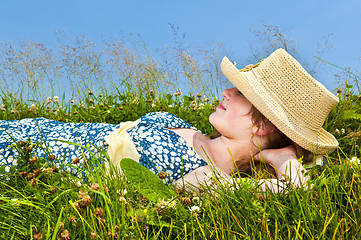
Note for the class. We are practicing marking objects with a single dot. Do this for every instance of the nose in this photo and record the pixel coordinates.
(226, 93)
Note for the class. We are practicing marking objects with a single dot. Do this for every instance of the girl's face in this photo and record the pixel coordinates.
(232, 117)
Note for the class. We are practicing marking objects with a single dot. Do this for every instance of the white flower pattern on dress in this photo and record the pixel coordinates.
(52, 133)
(161, 149)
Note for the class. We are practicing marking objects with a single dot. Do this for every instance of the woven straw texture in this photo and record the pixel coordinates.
(289, 97)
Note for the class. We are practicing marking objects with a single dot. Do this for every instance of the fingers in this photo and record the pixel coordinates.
(257, 157)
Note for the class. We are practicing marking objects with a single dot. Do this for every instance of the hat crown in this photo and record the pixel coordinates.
(297, 92)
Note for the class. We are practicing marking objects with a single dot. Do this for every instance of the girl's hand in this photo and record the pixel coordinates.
(276, 157)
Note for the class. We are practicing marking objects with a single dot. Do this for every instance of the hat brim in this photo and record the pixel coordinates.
(318, 141)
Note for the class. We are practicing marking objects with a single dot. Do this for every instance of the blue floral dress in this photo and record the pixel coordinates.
(159, 148)
(64, 140)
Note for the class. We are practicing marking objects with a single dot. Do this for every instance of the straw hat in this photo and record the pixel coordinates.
(289, 97)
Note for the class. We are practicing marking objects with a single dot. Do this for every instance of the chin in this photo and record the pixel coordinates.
(211, 118)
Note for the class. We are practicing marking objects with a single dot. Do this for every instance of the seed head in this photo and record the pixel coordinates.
(72, 219)
(82, 193)
(75, 112)
(51, 157)
(106, 189)
(76, 160)
(90, 93)
(91, 100)
(339, 90)
(95, 186)
(65, 235)
(85, 201)
(33, 182)
(162, 175)
(23, 174)
(30, 176)
(93, 235)
(180, 191)
(38, 236)
(33, 160)
(36, 172)
(53, 189)
(99, 212)
(186, 201)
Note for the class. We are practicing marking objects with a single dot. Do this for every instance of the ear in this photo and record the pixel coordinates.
(264, 129)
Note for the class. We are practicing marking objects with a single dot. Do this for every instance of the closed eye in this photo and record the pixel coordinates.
(240, 93)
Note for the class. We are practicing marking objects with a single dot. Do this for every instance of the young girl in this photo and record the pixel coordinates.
(274, 105)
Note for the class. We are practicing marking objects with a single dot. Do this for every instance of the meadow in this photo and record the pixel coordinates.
(78, 81)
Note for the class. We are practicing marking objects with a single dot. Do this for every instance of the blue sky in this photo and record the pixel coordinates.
(203, 21)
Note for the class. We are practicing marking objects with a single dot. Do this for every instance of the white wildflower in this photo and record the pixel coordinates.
(195, 210)
(355, 160)
(33, 107)
(56, 99)
(210, 177)
(172, 204)
(122, 200)
(166, 204)
(196, 200)
(162, 204)
(15, 200)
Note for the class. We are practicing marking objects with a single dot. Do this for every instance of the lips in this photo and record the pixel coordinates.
(221, 106)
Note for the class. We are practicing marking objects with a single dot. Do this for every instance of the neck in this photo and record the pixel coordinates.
(223, 152)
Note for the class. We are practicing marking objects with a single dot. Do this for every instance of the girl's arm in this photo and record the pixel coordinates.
(286, 164)
(284, 160)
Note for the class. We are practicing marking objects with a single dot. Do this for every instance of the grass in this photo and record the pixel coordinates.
(39, 200)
